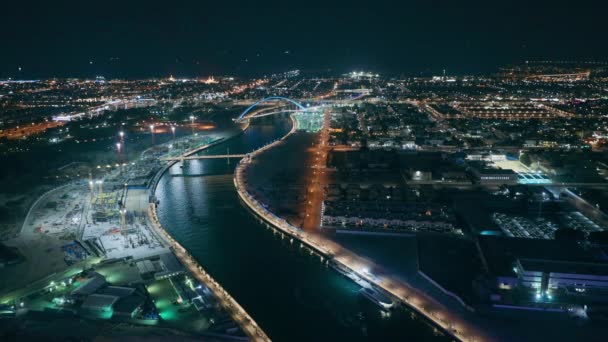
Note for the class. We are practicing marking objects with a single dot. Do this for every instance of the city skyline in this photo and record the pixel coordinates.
(300, 171)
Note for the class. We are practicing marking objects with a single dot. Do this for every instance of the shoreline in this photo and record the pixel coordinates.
(326, 255)
(231, 307)
(154, 183)
(238, 314)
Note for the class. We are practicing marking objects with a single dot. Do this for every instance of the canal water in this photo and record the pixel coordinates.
(290, 293)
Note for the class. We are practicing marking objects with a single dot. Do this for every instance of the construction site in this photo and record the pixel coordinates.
(99, 216)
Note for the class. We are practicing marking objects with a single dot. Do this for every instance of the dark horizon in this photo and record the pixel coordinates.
(140, 40)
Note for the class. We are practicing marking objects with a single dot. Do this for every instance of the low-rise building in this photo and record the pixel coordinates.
(548, 271)
(170, 266)
(90, 286)
(492, 176)
(573, 277)
(99, 304)
(129, 306)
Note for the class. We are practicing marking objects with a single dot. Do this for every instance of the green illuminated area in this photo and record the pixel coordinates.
(172, 310)
(164, 296)
(119, 273)
(72, 271)
(101, 314)
(52, 296)
(310, 121)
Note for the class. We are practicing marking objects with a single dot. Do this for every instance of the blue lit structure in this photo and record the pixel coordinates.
(271, 98)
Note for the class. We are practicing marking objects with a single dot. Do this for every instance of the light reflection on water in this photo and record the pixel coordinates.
(288, 291)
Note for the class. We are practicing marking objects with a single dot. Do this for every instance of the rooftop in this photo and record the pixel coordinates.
(99, 301)
(91, 285)
(500, 253)
(555, 266)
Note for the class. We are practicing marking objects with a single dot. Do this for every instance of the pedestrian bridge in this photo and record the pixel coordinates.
(215, 156)
(243, 116)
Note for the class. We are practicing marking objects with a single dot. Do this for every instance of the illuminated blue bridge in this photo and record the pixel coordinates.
(271, 98)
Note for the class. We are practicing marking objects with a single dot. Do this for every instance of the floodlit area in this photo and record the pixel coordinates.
(137, 243)
(174, 309)
(541, 227)
(514, 165)
(535, 177)
(102, 226)
(414, 205)
(137, 200)
(89, 218)
(525, 175)
(310, 121)
(515, 226)
(119, 233)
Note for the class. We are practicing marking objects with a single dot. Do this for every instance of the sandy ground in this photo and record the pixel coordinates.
(46, 229)
(64, 214)
(137, 200)
(15, 207)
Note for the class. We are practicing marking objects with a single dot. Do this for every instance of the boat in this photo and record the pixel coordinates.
(377, 297)
(349, 274)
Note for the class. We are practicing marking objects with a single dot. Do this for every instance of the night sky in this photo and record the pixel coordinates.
(197, 38)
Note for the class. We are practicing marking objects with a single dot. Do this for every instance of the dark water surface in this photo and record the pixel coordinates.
(290, 293)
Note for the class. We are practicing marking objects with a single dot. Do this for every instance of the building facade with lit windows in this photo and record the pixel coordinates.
(572, 277)
(549, 271)
(494, 176)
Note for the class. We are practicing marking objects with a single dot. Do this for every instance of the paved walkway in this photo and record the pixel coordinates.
(238, 314)
(445, 318)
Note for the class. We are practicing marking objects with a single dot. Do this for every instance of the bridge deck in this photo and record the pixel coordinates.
(215, 156)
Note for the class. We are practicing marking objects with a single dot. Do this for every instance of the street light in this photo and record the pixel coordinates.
(192, 123)
(100, 183)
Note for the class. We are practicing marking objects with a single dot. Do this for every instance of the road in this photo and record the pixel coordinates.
(317, 177)
(447, 319)
(371, 272)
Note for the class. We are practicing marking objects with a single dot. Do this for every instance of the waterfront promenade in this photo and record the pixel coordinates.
(238, 314)
(443, 317)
